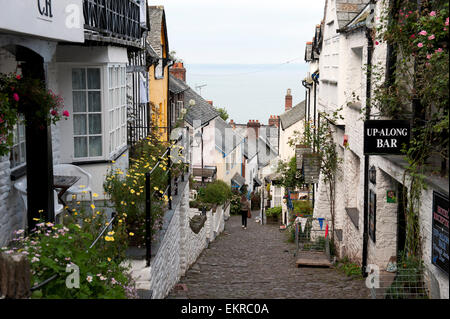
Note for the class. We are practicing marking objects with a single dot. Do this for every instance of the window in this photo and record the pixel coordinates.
(179, 108)
(159, 70)
(118, 107)
(87, 112)
(17, 156)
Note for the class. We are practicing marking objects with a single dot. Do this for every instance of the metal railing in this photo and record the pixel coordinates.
(167, 192)
(118, 18)
(108, 225)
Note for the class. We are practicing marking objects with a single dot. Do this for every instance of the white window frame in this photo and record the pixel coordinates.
(117, 110)
(19, 140)
(159, 70)
(102, 131)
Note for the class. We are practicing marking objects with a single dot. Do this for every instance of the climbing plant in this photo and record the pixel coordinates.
(321, 140)
(416, 88)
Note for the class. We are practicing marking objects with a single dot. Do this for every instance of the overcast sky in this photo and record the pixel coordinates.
(240, 31)
(219, 40)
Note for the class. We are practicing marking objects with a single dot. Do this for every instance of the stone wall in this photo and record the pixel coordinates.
(180, 247)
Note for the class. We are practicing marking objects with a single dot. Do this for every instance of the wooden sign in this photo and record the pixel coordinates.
(299, 151)
(385, 136)
(311, 167)
(439, 242)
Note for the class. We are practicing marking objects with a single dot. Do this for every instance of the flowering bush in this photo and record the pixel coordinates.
(51, 248)
(127, 189)
(29, 97)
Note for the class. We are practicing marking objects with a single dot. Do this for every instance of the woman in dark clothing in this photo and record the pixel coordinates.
(245, 207)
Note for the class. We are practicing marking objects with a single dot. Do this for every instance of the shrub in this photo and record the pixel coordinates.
(217, 192)
(302, 207)
(274, 212)
(235, 204)
(51, 248)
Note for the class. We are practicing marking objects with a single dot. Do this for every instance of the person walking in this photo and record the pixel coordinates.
(245, 210)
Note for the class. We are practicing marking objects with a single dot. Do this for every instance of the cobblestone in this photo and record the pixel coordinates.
(259, 263)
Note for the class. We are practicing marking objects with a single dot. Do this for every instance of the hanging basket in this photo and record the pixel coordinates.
(197, 222)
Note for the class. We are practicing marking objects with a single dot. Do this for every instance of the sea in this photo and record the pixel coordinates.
(248, 91)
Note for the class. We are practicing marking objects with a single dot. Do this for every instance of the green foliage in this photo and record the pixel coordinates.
(223, 113)
(291, 177)
(127, 189)
(349, 268)
(255, 198)
(30, 97)
(302, 208)
(51, 248)
(274, 211)
(418, 89)
(235, 204)
(217, 192)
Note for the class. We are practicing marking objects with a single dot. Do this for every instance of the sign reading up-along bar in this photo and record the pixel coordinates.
(385, 136)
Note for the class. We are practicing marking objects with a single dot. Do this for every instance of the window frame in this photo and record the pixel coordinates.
(116, 126)
(101, 90)
(17, 135)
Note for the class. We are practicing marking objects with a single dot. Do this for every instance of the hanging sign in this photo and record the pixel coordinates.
(311, 167)
(299, 151)
(439, 242)
(390, 196)
(385, 136)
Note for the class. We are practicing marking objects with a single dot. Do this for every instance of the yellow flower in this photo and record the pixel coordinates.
(155, 188)
(75, 214)
(78, 203)
(109, 259)
(95, 195)
(113, 162)
(111, 233)
(40, 211)
(98, 213)
(37, 219)
(161, 192)
(132, 191)
(74, 196)
(132, 203)
(124, 214)
(131, 234)
(84, 192)
(74, 210)
(120, 220)
(92, 206)
(78, 225)
(81, 186)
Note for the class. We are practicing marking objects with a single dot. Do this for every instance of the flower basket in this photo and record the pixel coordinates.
(197, 222)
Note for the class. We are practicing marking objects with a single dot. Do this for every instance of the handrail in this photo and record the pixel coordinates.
(46, 281)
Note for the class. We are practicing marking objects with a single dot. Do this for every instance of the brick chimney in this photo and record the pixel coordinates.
(255, 125)
(210, 102)
(288, 103)
(178, 71)
(274, 120)
(232, 124)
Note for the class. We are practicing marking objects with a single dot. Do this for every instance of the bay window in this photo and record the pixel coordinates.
(117, 107)
(87, 112)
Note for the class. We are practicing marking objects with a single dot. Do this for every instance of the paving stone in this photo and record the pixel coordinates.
(259, 263)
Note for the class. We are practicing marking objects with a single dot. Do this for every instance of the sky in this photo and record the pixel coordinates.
(239, 43)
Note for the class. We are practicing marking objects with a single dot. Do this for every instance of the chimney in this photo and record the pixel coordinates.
(288, 104)
(232, 124)
(178, 71)
(274, 120)
(254, 125)
(210, 102)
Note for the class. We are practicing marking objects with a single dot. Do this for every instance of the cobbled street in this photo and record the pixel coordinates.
(259, 263)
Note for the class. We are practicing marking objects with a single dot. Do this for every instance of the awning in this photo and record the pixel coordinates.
(207, 172)
(238, 180)
(257, 181)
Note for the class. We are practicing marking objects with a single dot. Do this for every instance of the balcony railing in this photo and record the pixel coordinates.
(114, 18)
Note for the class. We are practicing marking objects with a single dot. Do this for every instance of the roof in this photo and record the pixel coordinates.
(202, 110)
(238, 179)
(265, 152)
(176, 85)
(346, 10)
(292, 116)
(358, 21)
(226, 138)
(156, 15)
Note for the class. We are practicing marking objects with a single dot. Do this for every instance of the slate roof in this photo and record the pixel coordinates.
(292, 116)
(156, 14)
(202, 110)
(238, 179)
(346, 10)
(265, 153)
(226, 140)
(358, 21)
(176, 85)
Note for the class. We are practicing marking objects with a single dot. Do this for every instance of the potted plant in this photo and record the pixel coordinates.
(273, 214)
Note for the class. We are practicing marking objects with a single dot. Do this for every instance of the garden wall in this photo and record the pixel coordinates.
(178, 247)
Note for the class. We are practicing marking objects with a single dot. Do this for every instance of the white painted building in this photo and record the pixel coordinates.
(89, 70)
(343, 58)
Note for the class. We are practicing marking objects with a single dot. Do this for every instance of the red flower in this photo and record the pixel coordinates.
(376, 43)
(16, 97)
(54, 112)
(413, 36)
(66, 113)
(18, 77)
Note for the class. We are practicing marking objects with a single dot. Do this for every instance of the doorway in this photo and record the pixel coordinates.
(401, 219)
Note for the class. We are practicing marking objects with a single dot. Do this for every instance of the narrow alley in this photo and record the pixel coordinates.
(259, 263)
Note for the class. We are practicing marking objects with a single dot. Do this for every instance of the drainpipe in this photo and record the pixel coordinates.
(366, 157)
(169, 129)
(307, 98)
